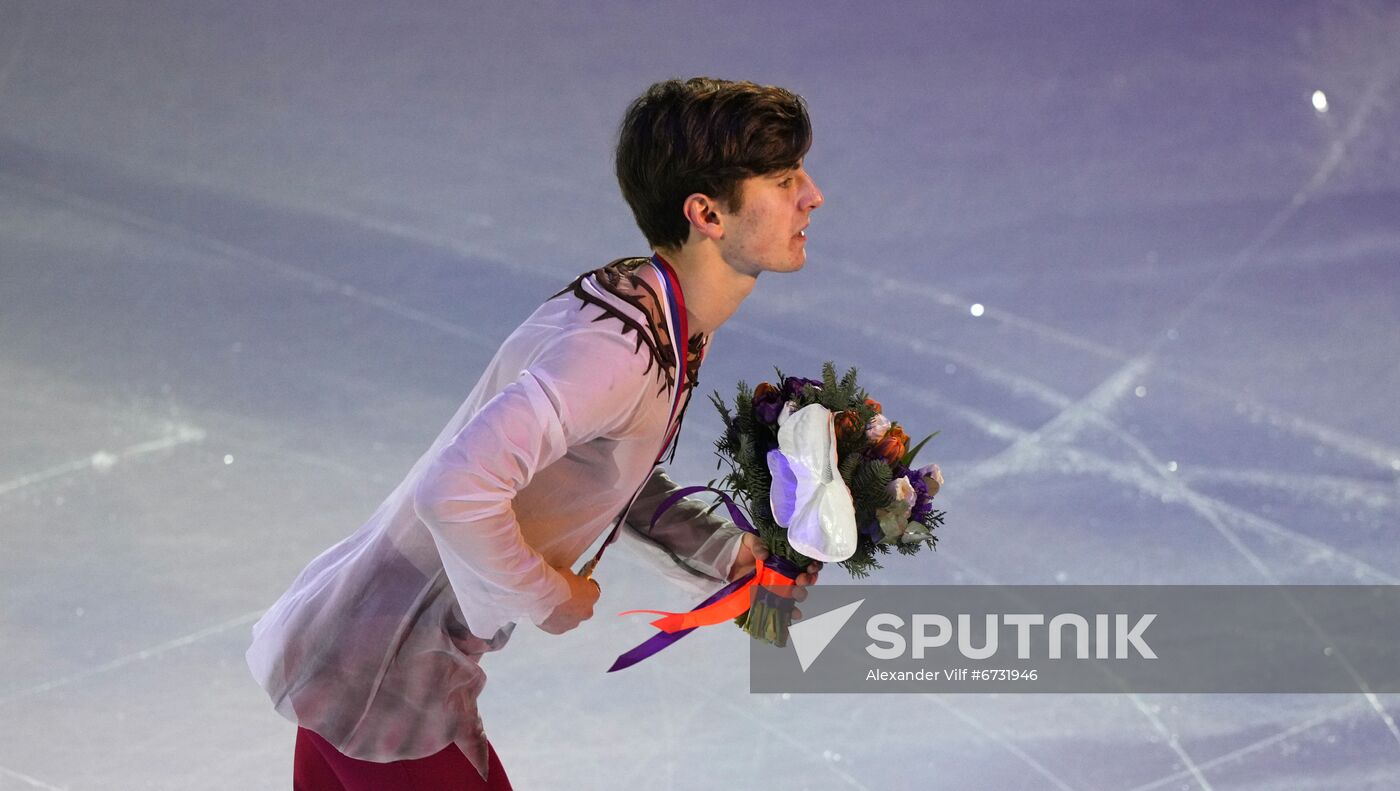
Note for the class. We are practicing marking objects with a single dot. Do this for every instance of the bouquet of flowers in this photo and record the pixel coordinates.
(811, 500)
(818, 472)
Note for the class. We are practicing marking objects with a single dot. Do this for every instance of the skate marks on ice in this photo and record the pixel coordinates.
(103, 460)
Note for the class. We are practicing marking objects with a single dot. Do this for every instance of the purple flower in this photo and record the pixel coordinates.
(872, 530)
(767, 403)
(792, 386)
(922, 503)
(922, 508)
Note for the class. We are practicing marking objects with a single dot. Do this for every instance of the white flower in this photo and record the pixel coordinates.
(903, 491)
(893, 521)
(933, 477)
(915, 531)
(877, 428)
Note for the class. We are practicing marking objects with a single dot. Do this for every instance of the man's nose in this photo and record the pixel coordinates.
(814, 197)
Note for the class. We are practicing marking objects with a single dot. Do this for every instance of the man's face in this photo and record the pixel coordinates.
(768, 232)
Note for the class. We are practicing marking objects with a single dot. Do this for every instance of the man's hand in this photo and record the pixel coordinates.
(752, 552)
(583, 594)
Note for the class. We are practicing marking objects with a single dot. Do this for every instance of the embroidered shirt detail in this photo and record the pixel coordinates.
(620, 279)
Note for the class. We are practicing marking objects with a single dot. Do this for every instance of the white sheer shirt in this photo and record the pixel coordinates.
(376, 645)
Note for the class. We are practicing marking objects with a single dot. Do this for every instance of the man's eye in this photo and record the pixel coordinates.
(787, 182)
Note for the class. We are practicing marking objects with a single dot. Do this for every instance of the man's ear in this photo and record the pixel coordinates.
(705, 216)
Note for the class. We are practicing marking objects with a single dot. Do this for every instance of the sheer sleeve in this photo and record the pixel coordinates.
(697, 548)
(581, 386)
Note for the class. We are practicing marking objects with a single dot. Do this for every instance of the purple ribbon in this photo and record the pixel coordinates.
(735, 512)
(662, 640)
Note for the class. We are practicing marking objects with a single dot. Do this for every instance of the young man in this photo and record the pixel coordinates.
(375, 650)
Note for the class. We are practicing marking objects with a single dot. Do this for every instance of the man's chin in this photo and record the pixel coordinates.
(783, 267)
(796, 262)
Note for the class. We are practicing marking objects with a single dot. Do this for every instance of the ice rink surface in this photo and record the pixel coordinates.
(253, 255)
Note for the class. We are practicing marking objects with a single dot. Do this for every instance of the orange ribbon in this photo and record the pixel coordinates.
(726, 609)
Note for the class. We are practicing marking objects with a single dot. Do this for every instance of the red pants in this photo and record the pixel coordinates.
(320, 767)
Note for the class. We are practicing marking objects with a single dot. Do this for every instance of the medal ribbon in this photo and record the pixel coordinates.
(674, 306)
(679, 326)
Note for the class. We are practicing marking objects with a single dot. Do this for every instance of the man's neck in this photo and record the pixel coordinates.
(713, 290)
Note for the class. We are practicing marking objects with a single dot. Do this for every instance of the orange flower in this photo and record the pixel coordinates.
(763, 390)
(875, 404)
(891, 446)
(848, 426)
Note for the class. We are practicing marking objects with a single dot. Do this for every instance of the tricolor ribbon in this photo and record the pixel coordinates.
(725, 604)
(678, 325)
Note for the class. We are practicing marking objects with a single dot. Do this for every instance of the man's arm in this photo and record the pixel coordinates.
(579, 387)
(702, 545)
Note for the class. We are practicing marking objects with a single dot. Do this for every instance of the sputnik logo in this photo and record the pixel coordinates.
(811, 636)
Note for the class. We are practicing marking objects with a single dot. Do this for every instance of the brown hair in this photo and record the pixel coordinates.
(703, 135)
